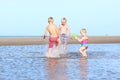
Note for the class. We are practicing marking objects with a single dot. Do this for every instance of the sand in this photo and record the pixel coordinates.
(40, 41)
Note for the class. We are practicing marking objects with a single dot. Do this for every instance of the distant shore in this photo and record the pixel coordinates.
(40, 41)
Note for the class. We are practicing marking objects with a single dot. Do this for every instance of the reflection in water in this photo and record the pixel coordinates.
(56, 69)
(83, 68)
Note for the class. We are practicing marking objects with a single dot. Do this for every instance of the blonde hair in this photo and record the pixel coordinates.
(83, 30)
(64, 19)
(50, 19)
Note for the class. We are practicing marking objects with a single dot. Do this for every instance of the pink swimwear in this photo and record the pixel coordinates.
(52, 40)
(84, 43)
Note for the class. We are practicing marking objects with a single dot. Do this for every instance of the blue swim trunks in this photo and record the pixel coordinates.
(63, 38)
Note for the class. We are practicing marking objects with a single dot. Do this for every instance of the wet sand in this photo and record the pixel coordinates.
(39, 40)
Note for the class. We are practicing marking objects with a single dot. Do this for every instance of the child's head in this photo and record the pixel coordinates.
(50, 20)
(64, 21)
(83, 31)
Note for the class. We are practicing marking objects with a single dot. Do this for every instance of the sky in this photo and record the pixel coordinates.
(29, 17)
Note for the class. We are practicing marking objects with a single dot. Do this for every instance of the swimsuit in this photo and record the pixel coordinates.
(52, 40)
(84, 43)
(63, 38)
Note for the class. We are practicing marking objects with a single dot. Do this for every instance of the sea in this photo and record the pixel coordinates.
(28, 62)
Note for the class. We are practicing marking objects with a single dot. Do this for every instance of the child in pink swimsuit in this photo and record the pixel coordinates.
(84, 42)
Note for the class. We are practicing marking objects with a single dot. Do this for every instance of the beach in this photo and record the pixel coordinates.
(40, 41)
(24, 58)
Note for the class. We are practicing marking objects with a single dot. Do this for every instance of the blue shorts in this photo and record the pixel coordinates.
(64, 38)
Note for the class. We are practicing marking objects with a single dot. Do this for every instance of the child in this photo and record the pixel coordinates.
(84, 42)
(64, 31)
(54, 35)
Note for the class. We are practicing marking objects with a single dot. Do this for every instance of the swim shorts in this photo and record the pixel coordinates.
(64, 38)
(52, 40)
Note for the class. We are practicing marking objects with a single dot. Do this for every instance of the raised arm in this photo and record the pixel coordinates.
(79, 39)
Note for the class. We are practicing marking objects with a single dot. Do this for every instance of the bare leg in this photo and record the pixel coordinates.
(57, 49)
(58, 45)
(84, 52)
(81, 50)
(49, 52)
(64, 47)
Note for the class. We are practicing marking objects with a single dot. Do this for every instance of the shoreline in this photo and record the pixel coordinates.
(6, 41)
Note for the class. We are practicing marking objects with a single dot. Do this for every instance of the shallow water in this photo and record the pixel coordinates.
(29, 63)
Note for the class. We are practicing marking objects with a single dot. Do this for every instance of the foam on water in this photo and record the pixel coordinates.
(55, 53)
